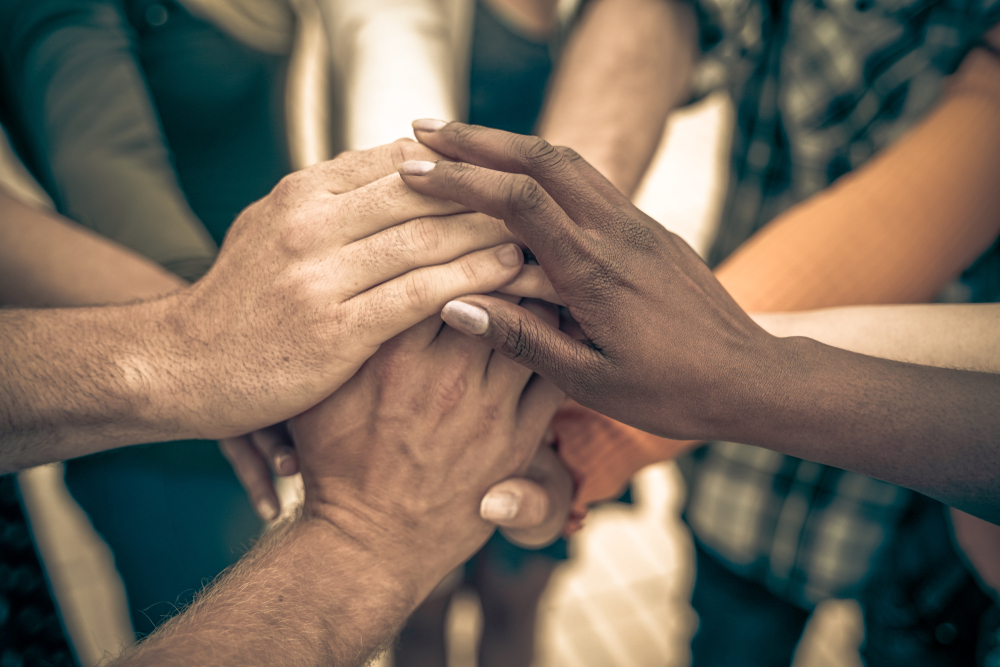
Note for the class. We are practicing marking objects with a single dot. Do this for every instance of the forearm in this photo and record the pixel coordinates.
(626, 66)
(948, 336)
(899, 228)
(77, 381)
(48, 261)
(308, 594)
(878, 417)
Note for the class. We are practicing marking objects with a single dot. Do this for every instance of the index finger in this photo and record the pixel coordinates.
(562, 248)
(572, 182)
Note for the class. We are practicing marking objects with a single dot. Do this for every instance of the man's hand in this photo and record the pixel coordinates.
(664, 344)
(402, 455)
(310, 282)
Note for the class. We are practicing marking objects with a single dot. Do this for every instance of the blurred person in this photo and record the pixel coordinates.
(821, 92)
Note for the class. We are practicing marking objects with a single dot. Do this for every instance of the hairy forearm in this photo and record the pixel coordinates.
(308, 594)
(883, 418)
(76, 381)
(627, 65)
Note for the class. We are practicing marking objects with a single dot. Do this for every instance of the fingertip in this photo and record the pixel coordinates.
(286, 464)
(499, 506)
(267, 509)
(427, 125)
(415, 167)
(465, 317)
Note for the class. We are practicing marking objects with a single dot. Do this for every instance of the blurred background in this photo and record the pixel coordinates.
(155, 123)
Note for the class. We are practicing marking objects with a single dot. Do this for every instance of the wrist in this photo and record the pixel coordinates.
(776, 390)
(409, 564)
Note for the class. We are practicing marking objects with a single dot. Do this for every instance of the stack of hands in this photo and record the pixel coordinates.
(426, 425)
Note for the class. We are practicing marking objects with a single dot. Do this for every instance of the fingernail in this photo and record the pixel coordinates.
(415, 167)
(283, 464)
(267, 510)
(499, 506)
(466, 318)
(428, 125)
(510, 255)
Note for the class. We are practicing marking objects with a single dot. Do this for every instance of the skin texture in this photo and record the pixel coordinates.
(394, 465)
(666, 349)
(896, 230)
(46, 260)
(625, 67)
(227, 345)
(952, 336)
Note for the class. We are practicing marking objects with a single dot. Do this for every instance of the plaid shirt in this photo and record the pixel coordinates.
(820, 86)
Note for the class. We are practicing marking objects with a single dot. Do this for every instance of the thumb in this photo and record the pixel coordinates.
(524, 337)
(525, 512)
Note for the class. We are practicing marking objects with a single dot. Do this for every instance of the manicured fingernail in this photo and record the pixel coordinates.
(267, 510)
(510, 255)
(415, 167)
(428, 125)
(284, 464)
(499, 506)
(466, 318)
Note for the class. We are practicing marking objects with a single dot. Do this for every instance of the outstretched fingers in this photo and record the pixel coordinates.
(571, 181)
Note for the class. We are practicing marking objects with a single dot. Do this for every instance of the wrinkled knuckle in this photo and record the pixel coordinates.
(424, 235)
(401, 150)
(518, 341)
(471, 271)
(288, 186)
(568, 154)
(524, 194)
(461, 133)
(450, 388)
(417, 289)
(539, 154)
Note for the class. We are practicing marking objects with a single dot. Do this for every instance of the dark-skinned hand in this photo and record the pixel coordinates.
(665, 348)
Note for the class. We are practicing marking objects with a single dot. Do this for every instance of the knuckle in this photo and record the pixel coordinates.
(518, 341)
(288, 186)
(524, 194)
(417, 289)
(424, 235)
(470, 271)
(401, 150)
(568, 154)
(538, 154)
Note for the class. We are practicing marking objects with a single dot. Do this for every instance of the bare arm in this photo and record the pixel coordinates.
(266, 334)
(626, 66)
(392, 492)
(894, 231)
(670, 352)
(50, 261)
(948, 336)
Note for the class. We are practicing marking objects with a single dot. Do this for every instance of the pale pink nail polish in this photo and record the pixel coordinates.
(415, 167)
(428, 125)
